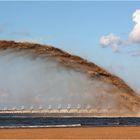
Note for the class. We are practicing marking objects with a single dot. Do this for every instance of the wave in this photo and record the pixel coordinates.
(42, 126)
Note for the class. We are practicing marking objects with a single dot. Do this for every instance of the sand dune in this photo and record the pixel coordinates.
(50, 66)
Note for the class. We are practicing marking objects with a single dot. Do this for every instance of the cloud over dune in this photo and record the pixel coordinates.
(134, 35)
(115, 41)
(112, 41)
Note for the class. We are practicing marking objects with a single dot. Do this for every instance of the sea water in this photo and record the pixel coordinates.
(15, 122)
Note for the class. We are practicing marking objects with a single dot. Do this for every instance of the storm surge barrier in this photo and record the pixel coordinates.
(61, 112)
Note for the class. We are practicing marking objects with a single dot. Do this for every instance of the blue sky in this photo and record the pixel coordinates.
(76, 27)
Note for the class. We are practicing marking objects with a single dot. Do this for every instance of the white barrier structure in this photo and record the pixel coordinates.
(88, 108)
(62, 111)
(59, 107)
(49, 108)
(5, 108)
(40, 108)
(68, 107)
(31, 108)
(78, 107)
(22, 108)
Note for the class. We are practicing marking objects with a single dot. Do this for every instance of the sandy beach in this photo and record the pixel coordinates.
(72, 133)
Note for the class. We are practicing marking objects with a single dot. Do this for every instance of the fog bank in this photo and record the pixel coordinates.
(26, 79)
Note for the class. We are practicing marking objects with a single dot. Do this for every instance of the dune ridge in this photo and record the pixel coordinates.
(128, 99)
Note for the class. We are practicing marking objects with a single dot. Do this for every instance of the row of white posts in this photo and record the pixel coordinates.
(88, 107)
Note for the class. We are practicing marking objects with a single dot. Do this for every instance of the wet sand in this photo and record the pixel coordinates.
(73, 133)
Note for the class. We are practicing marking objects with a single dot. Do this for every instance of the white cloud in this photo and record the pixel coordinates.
(111, 40)
(134, 35)
(115, 42)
